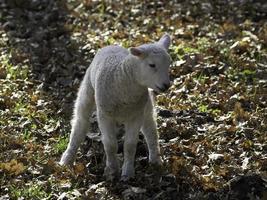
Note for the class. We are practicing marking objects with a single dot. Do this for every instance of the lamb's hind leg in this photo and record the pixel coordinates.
(83, 109)
(109, 139)
(149, 129)
(132, 128)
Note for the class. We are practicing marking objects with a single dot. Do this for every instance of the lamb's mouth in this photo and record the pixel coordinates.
(158, 90)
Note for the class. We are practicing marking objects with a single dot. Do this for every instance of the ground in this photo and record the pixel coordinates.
(211, 122)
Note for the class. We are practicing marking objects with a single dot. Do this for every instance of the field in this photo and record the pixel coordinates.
(212, 122)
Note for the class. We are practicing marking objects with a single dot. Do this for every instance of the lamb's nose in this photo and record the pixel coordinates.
(166, 86)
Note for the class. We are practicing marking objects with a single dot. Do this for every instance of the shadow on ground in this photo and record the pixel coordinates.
(39, 35)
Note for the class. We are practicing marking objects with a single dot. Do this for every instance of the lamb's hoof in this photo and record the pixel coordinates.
(111, 174)
(66, 159)
(127, 174)
(111, 177)
(156, 168)
(156, 161)
(63, 163)
(125, 178)
(156, 165)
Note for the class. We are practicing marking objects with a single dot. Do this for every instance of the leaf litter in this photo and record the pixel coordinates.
(212, 121)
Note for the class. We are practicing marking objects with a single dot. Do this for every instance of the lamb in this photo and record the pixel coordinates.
(117, 83)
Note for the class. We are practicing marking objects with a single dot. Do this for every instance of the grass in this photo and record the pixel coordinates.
(61, 144)
(31, 190)
(213, 77)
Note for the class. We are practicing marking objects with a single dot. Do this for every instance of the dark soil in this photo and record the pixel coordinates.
(212, 121)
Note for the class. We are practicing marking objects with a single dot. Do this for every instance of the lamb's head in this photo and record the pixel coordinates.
(153, 64)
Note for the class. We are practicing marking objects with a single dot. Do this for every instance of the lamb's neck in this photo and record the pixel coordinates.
(130, 73)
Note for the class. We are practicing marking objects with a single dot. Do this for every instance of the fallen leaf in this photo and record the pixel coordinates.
(13, 167)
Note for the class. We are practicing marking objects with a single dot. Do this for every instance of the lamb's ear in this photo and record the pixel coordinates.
(138, 52)
(165, 41)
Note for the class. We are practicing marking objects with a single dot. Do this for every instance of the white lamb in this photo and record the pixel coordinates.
(117, 83)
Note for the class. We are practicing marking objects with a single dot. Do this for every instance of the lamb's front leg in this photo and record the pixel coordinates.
(132, 128)
(149, 130)
(109, 139)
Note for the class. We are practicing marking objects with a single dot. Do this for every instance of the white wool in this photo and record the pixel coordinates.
(117, 83)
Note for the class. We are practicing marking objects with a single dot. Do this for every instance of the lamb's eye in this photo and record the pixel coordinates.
(152, 65)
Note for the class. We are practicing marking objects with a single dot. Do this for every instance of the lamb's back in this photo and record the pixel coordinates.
(105, 61)
(109, 56)
(112, 50)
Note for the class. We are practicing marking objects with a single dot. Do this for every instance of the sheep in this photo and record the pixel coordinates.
(117, 84)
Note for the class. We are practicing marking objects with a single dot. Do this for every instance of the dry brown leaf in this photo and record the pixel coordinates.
(80, 169)
(13, 167)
